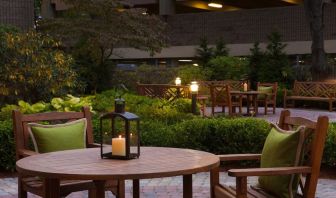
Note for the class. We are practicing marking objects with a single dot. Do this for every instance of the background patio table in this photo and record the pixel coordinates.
(251, 100)
(86, 164)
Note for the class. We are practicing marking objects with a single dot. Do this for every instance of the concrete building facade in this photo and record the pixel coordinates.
(238, 23)
(19, 13)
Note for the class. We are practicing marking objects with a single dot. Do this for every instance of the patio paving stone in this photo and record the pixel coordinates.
(158, 188)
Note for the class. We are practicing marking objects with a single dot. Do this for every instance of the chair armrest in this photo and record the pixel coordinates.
(239, 157)
(27, 153)
(93, 145)
(268, 171)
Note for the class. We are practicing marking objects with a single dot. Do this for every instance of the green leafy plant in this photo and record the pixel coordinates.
(71, 103)
(190, 73)
(228, 68)
(37, 67)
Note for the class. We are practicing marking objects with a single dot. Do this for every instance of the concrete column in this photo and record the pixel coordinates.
(167, 7)
(47, 10)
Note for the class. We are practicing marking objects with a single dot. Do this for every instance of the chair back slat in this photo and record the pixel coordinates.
(315, 146)
(50, 116)
(20, 125)
(220, 95)
(297, 121)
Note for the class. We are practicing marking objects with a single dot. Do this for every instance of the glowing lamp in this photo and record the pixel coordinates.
(178, 81)
(194, 87)
(215, 5)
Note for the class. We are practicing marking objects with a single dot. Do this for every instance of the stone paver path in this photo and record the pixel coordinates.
(170, 187)
(306, 113)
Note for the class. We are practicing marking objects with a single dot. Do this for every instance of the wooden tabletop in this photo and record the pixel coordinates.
(86, 164)
(246, 92)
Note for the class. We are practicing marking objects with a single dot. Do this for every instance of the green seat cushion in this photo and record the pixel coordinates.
(266, 90)
(59, 137)
(282, 149)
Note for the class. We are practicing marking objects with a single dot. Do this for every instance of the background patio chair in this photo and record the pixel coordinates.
(269, 98)
(29, 183)
(220, 96)
(311, 168)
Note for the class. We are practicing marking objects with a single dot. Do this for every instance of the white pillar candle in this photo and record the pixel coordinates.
(245, 86)
(118, 146)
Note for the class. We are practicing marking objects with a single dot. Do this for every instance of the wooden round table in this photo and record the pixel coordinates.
(86, 164)
(251, 100)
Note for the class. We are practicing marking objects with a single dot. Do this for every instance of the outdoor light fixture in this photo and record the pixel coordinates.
(194, 91)
(178, 81)
(185, 60)
(119, 136)
(194, 87)
(215, 4)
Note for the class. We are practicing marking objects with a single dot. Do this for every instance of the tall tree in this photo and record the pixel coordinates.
(256, 60)
(221, 49)
(204, 53)
(102, 25)
(314, 13)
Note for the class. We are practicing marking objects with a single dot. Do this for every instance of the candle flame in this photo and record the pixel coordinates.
(119, 136)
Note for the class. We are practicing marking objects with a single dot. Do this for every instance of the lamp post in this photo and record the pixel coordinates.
(194, 91)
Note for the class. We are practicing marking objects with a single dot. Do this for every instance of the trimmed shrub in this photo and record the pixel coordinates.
(222, 135)
(329, 156)
(7, 148)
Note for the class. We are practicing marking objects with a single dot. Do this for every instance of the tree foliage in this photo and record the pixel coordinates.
(271, 65)
(221, 49)
(228, 68)
(204, 53)
(96, 27)
(32, 68)
(256, 59)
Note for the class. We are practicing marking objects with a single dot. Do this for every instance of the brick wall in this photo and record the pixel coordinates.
(247, 26)
(19, 13)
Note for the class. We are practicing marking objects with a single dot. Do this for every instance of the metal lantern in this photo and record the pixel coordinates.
(120, 136)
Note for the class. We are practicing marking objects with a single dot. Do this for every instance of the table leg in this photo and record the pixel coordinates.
(248, 103)
(255, 105)
(51, 188)
(187, 186)
(99, 188)
(214, 181)
(136, 188)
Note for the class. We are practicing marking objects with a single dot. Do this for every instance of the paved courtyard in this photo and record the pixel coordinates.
(172, 187)
(306, 113)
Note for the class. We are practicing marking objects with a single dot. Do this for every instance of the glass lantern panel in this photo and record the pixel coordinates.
(107, 135)
(134, 137)
(119, 137)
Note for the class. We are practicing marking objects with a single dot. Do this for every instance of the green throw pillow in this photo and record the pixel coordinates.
(266, 90)
(282, 149)
(59, 137)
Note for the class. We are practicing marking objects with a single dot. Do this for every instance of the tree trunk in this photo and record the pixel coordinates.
(314, 13)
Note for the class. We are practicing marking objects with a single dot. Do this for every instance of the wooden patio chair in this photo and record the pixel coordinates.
(267, 99)
(311, 169)
(221, 96)
(29, 183)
